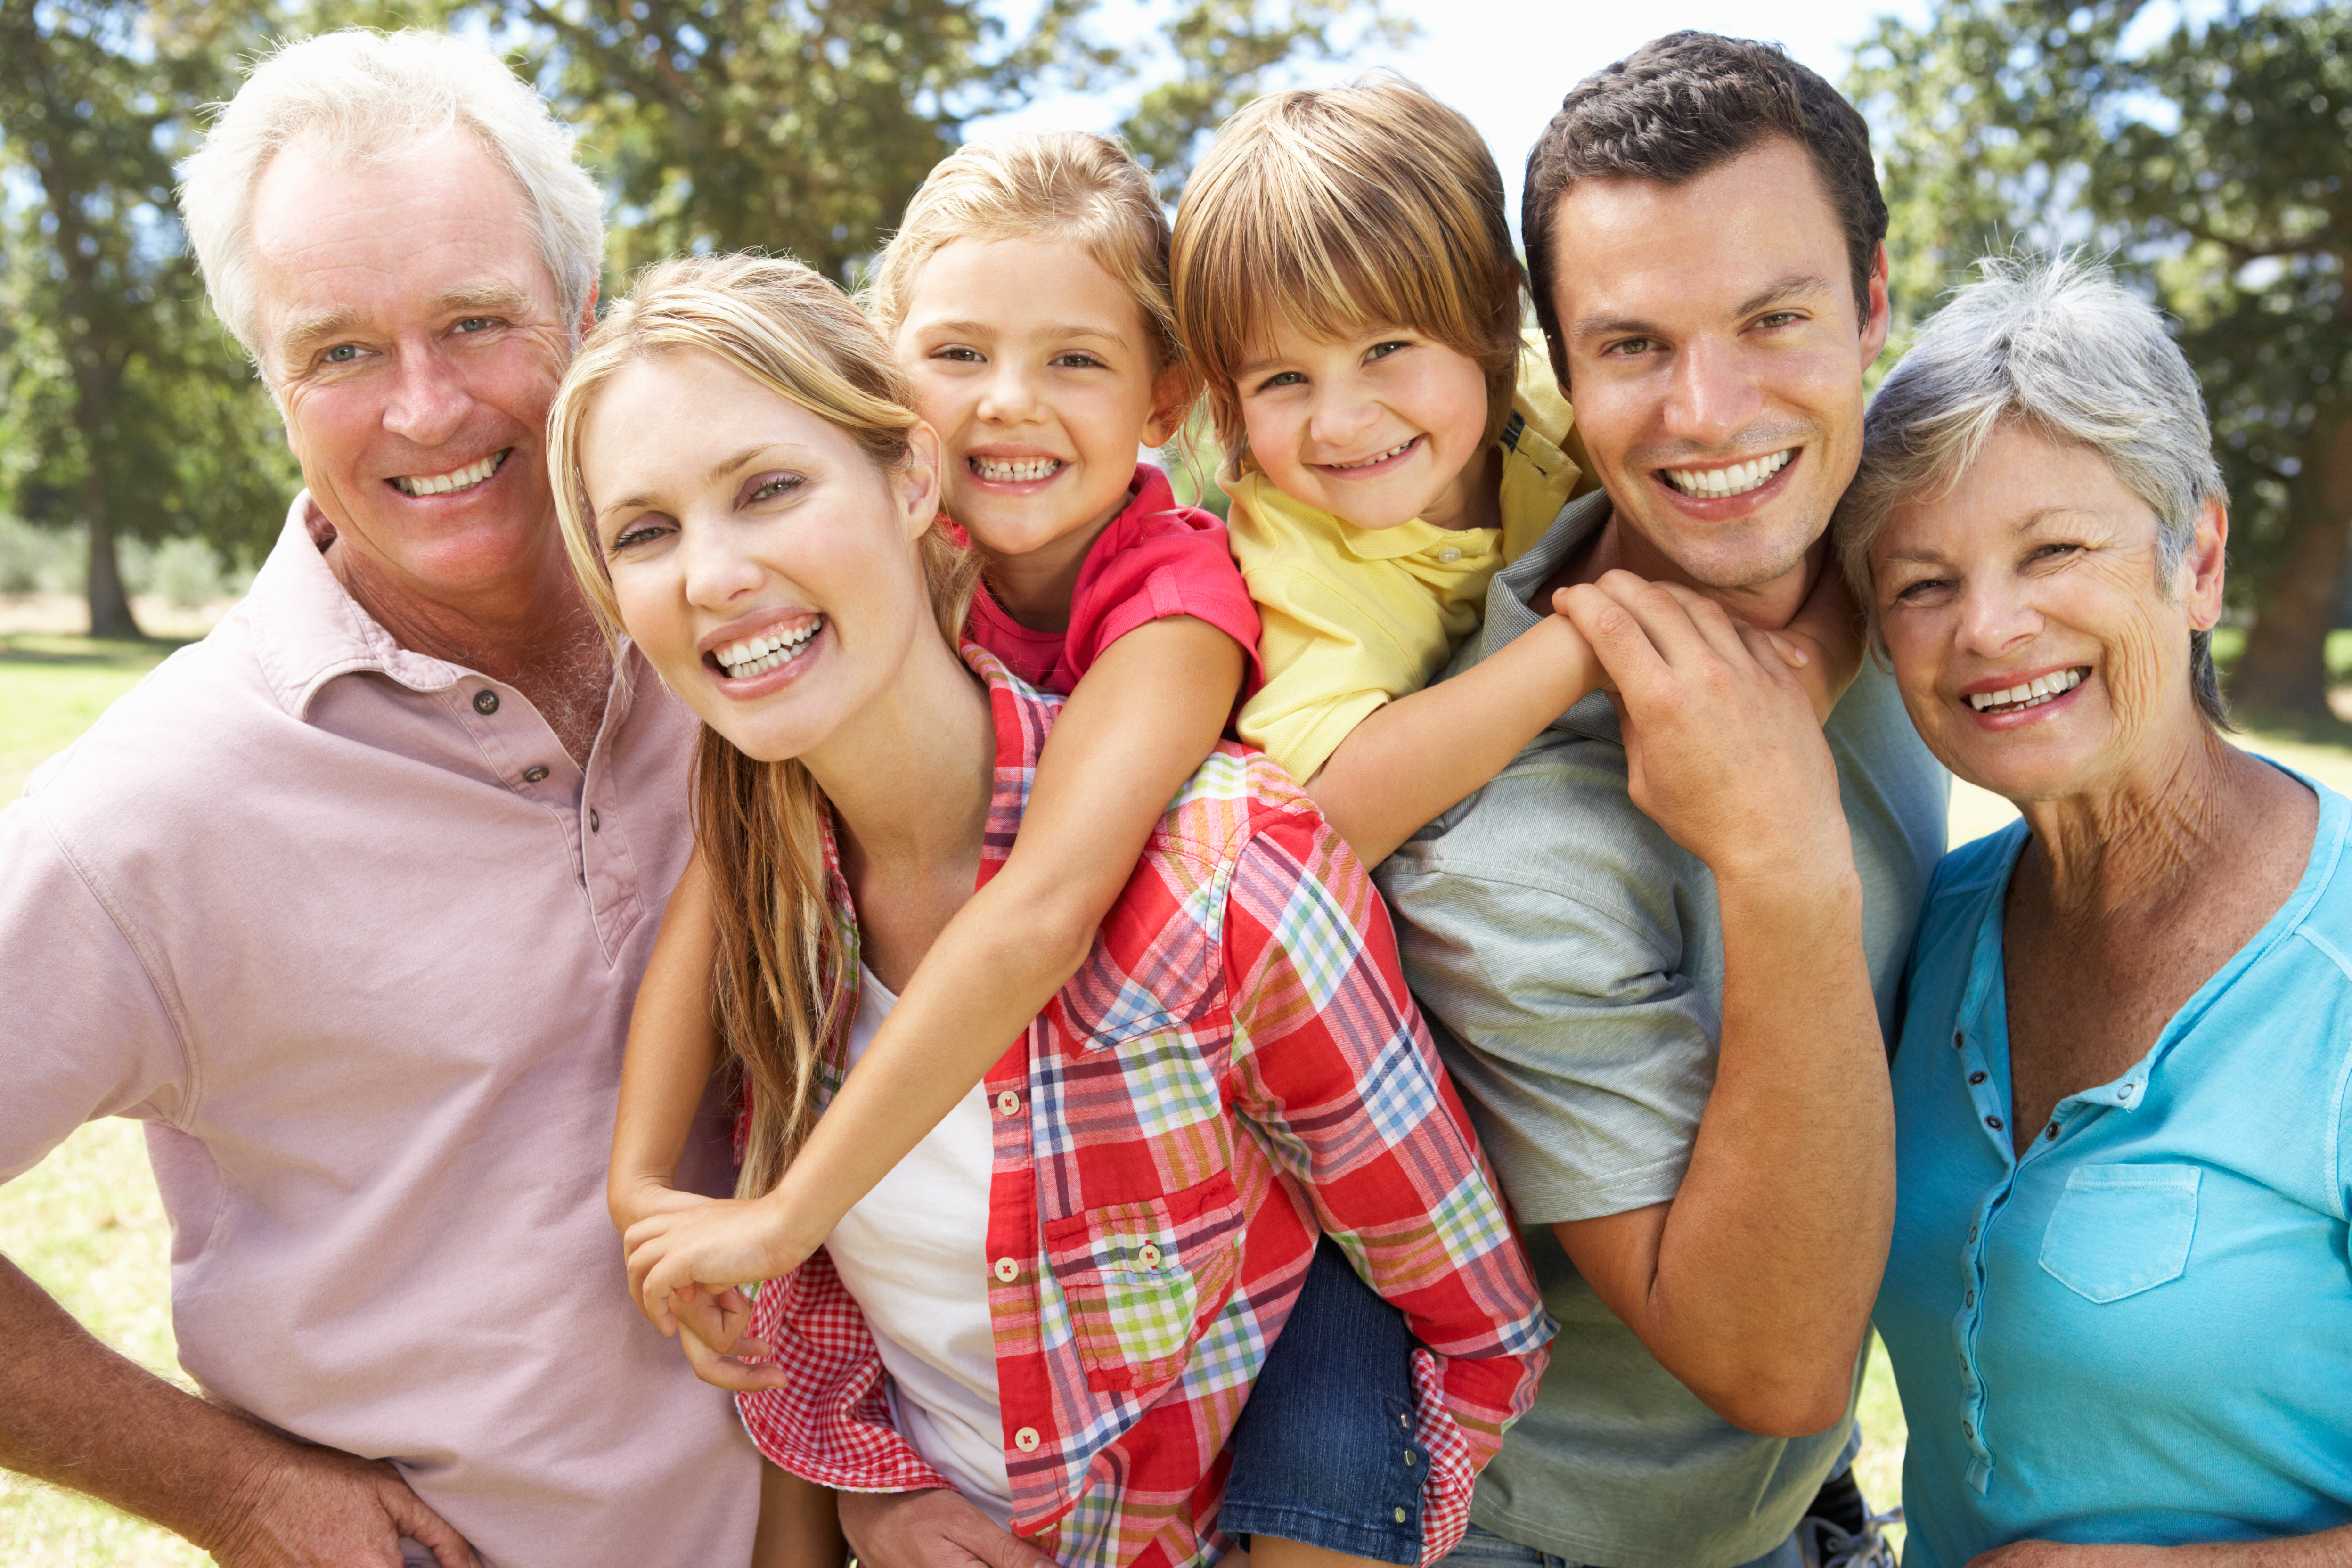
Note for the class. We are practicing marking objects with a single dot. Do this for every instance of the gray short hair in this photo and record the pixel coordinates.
(371, 95)
(2057, 343)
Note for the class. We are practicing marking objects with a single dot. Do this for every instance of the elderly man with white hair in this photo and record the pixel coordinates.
(348, 904)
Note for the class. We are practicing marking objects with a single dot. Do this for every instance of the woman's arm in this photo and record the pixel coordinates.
(672, 1049)
(1412, 759)
(1145, 715)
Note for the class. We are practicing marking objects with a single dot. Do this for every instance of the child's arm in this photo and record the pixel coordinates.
(799, 1524)
(672, 1049)
(1412, 758)
(1145, 715)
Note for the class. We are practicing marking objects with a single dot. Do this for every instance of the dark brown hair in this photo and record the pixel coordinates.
(1680, 107)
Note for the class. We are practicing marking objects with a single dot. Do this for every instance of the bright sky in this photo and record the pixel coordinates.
(1507, 63)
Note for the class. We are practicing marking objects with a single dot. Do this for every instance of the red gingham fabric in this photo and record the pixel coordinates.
(1237, 1065)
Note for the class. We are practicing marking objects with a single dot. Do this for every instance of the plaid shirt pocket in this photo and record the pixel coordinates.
(1144, 1279)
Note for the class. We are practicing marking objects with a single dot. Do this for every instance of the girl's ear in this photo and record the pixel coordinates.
(917, 481)
(1173, 391)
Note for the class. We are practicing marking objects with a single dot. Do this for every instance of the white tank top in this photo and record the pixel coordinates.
(914, 1253)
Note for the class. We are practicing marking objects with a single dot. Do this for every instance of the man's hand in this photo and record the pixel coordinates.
(934, 1529)
(320, 1508)
(1722, 748)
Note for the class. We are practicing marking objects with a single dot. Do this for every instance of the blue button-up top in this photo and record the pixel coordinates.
(2141, 1329)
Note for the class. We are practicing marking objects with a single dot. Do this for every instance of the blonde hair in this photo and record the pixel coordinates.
(780, 986)
(1339, 207)
(1064, 185)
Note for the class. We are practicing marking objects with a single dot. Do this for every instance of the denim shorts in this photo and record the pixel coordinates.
(1485, 1548)
(1324, 1453)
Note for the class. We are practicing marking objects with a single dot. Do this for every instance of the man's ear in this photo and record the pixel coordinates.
(917, 481)
(1173, 391)
(1880, 317)
(588, 313)
(2203, 570)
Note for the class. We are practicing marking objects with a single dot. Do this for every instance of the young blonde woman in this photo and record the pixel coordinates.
(1058, 1304)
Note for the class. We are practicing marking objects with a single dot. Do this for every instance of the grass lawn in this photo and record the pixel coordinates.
(86, 1224)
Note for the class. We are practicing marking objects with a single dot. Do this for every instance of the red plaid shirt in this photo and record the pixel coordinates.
(1236, 1066)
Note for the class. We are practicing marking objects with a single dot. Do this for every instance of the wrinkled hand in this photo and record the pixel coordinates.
(935, 1529)
(321, 1508)
(1722, 749)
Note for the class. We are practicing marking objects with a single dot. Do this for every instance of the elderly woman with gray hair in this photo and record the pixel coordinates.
(2118, 1302)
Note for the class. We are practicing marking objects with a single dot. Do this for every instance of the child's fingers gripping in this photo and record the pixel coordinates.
(731, 1372)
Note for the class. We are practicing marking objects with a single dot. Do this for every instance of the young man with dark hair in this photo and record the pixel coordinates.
(1661, 949)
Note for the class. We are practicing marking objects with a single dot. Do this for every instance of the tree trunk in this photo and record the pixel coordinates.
(109, 606)
(2284, 672)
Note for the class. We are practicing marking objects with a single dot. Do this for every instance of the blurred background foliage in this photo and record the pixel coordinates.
(2212, 158)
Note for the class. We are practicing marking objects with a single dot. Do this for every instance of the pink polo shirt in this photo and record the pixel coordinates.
(352, 935)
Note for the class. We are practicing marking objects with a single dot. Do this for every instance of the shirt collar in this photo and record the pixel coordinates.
(308, 629)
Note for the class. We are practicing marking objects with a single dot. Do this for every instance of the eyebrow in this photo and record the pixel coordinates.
(1051, 330)
(1779, 291)
(306, 332)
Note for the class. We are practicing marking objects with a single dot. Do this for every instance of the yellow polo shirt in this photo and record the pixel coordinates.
(1351, 617)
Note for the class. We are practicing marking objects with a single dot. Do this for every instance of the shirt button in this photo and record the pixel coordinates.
(486, 702)
(1449, 555)
(1993, 1123)
(1973, 1232)
(1408, 1456)
(532, 776)
(1007, 1103)
(1976, 1078)
(595, 823)
(1008, 1271)
(1400, 1516)
(1150, 1255)
(1969, 1299)
(2050, 1133)
(1958, 1040)
(1025, 1439)
(1968, 1431)
(2127, 1088)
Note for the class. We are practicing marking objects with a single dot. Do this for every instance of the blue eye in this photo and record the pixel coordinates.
(474, 324)
(341, 354)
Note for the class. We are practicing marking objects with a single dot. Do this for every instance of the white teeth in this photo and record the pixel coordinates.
(1736, 480)
(1025, 468)
(2033, 694)
(1380, 458)
(757, 656)
(463, 479)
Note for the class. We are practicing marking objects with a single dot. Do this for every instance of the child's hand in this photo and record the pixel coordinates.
(686, 1261)
(643, 1199)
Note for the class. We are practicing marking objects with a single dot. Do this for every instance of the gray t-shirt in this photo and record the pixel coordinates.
(1569, 957)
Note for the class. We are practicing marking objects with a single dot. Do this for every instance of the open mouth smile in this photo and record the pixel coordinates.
(1375, 460)
(1022, 470)
(2042, 688)
(757, 656)
(454, 481)
(1739, 478)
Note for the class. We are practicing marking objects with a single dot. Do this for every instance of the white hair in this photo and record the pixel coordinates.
(370, 96)
(2056, 344)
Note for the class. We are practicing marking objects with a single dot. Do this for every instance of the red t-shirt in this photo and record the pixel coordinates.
(1156, 559)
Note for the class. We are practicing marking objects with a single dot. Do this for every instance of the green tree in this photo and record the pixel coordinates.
(127, 411)
(2215, 160)
(802, 126)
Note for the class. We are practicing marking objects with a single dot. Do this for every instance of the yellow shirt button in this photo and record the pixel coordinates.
(1150, 1255)
(1007, 1270)
(1025, 1439)
(1007, 1102)
(1450, 554)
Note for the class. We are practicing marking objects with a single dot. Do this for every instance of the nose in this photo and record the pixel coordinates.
(429, 399)
(1338, 415)
(718, 571)
(1010, 397)
(1713, 396)
(1996, 618)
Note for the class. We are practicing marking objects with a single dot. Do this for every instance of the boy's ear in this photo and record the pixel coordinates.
(1173, 391)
